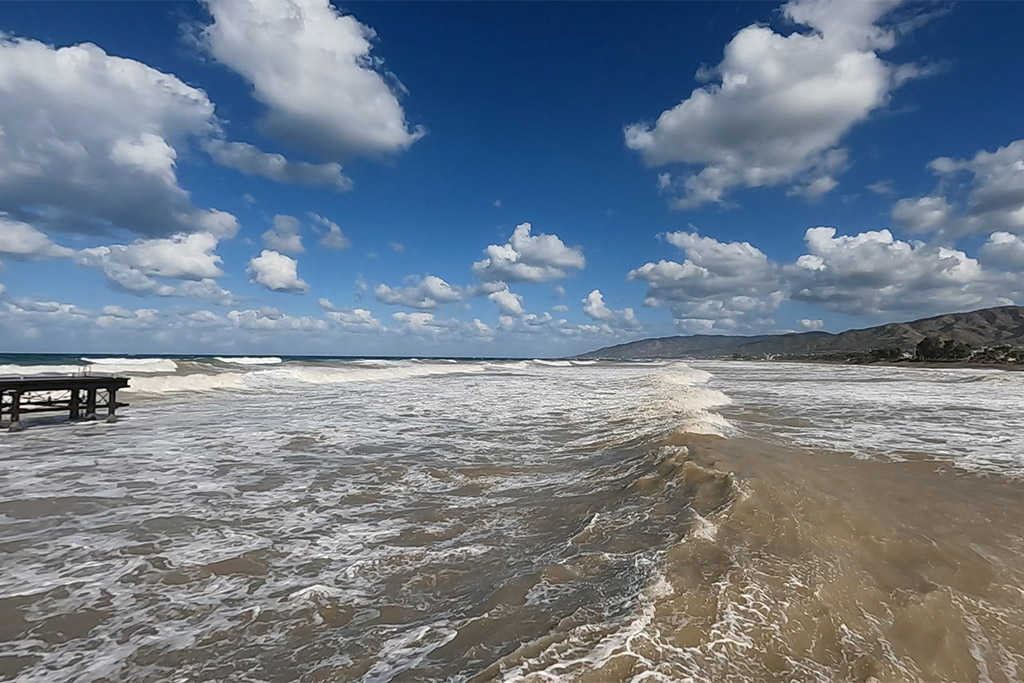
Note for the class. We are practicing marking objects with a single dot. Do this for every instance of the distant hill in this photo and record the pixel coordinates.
(980, 329)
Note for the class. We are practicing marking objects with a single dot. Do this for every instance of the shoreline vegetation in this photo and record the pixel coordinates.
(986, 338)
(930, 352)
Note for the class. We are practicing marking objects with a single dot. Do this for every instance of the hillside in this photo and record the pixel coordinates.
(979, 329)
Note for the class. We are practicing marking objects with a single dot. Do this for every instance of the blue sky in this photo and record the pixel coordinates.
(141, 209)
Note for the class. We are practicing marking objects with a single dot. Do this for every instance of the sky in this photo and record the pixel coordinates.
(500, 179)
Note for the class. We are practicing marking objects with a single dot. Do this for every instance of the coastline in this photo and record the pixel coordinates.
(910, 364)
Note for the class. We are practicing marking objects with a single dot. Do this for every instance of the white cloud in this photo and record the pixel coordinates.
(285, 235)
(528, 258)
(873, 273)
(423, 324)
(89, 142)
(21, 240)
(508, 303)
(1003, 249)
(922, 214)
(187, 257)
(358, 320)
(268, 318)
(560, 308)
(726, 286)
(250, 160)
(311, 67)
(276, 272)
(780, 104)
(882, 187)
(595, 308)
(334, 238)
(814, 189)
(811, 323)
(427, 292)
(995, 201)
(396, 247)
(135, 267)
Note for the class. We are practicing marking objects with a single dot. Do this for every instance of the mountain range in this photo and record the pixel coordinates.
(979, 329)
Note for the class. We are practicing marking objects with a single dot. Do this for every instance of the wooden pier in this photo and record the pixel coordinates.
(79, 397)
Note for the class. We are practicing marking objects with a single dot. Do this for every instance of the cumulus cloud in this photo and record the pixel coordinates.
(21, 240)
(276, 272)
(250, 160)
(357, 320)
(994, 202)
(779, 105)
(721, 286)
(90, 142)
(733, 286)
(528, 258)
(311, 67)
(508, 303)
(268, 318)
(333, 238)
(427, 292)
(423, 324)
(873, 273)
(922, 214)
(1003, 249)
(189, 257)
(134, 267)
(285, 235)
(595, 308)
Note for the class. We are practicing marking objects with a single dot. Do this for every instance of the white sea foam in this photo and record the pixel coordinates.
(198, 382)
(973, 417)
(249, 360)
(27, 370)
(326, 374)
(126, 365)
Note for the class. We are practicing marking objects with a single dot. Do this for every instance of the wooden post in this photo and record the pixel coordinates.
(73, 405)
(90, 404)
(15, 411)
(111, 404)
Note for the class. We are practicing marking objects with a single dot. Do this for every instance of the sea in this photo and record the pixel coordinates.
(367, 519)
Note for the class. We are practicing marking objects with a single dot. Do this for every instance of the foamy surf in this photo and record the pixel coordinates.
(483, 520)
(130, 365)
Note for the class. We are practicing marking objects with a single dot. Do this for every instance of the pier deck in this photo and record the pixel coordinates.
(80, 397)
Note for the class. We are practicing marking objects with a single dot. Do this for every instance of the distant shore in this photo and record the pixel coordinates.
(926, 364)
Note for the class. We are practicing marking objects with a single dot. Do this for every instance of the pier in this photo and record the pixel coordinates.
(79, 397)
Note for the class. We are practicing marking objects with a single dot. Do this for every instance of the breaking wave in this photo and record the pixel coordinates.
(249, 360)
(128, 365)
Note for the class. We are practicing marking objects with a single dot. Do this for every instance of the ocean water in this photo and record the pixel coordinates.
(265, 519)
